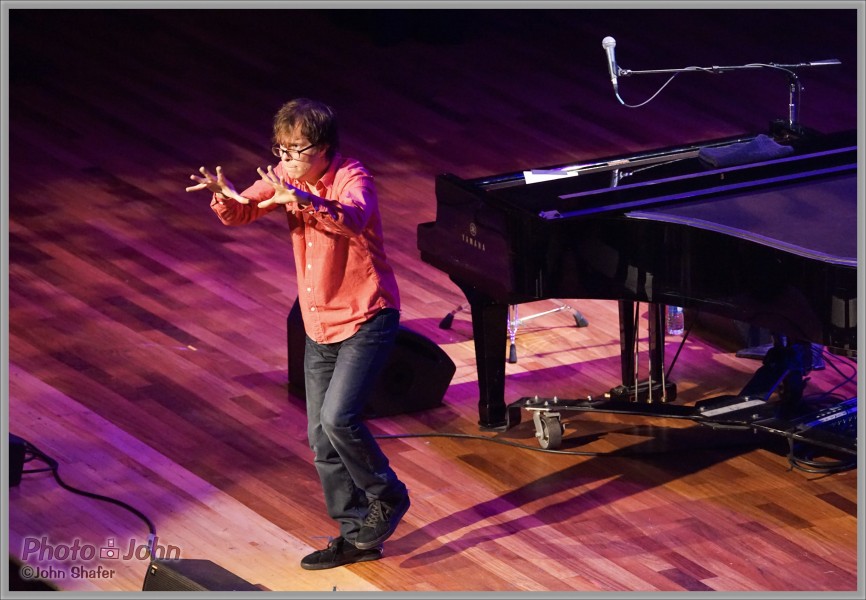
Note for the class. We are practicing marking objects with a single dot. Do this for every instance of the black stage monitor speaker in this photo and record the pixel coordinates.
(415, 376)
(192, 575)
(17, 451)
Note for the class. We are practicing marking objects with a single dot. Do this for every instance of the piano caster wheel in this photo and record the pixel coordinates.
(548, 429)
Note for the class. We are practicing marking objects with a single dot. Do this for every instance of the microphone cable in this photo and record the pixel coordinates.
(34, 453)
(658, 91)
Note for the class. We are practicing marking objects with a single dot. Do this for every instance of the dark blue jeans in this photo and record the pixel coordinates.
(338, 379)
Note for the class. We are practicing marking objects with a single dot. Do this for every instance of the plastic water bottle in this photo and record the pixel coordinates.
(675, 320)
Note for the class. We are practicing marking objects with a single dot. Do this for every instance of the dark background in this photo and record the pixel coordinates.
(487, 77)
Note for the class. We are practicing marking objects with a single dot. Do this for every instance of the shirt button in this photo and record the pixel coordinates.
(309, 266)
(313, 308)
(309, 289)
(310, 244)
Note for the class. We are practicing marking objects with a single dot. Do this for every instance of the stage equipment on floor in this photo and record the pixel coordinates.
(515, 321)
(16, 459)
(193, 575)
(414, 378)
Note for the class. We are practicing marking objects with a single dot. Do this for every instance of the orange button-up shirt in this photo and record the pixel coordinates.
(343, 274)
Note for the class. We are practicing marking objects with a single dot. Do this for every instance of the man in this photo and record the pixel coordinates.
(350, 304)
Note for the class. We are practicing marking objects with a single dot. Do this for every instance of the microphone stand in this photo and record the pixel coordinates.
(795, 88)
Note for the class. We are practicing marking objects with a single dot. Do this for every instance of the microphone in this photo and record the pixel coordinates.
(608, 44)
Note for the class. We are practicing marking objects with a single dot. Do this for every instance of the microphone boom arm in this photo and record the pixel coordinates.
(717, 69)
(794, 86)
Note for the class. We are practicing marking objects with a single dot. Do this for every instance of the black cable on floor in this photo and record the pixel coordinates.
(472, 436)
(824, 467)
(53, 466)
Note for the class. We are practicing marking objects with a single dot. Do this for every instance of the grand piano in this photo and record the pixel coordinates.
(766, 240)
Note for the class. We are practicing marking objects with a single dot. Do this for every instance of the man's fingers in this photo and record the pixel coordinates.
(269, 174)
(275, 177)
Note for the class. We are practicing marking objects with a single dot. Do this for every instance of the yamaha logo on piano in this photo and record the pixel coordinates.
(470, 239)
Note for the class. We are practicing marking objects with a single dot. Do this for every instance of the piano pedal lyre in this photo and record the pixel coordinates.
(655, 387)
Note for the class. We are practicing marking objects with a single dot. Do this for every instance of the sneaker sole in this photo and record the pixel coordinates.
(322, 566)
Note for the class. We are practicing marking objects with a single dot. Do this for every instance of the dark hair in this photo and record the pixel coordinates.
(317, 120)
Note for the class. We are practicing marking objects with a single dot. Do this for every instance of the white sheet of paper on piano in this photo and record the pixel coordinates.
(539, 175)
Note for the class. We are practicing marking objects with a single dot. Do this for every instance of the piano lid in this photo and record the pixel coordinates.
(811, 219)
(629, 182)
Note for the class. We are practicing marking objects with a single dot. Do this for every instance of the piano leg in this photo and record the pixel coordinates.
(628, 342)
(489, 330)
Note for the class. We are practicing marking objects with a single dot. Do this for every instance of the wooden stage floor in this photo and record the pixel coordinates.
(147, 346)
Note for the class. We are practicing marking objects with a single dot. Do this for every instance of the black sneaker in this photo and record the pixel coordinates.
(381, 521)
(339, 552)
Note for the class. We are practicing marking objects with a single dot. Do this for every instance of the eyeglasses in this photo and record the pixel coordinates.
(278, 150)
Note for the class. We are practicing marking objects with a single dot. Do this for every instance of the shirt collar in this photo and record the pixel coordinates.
(326, 181)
